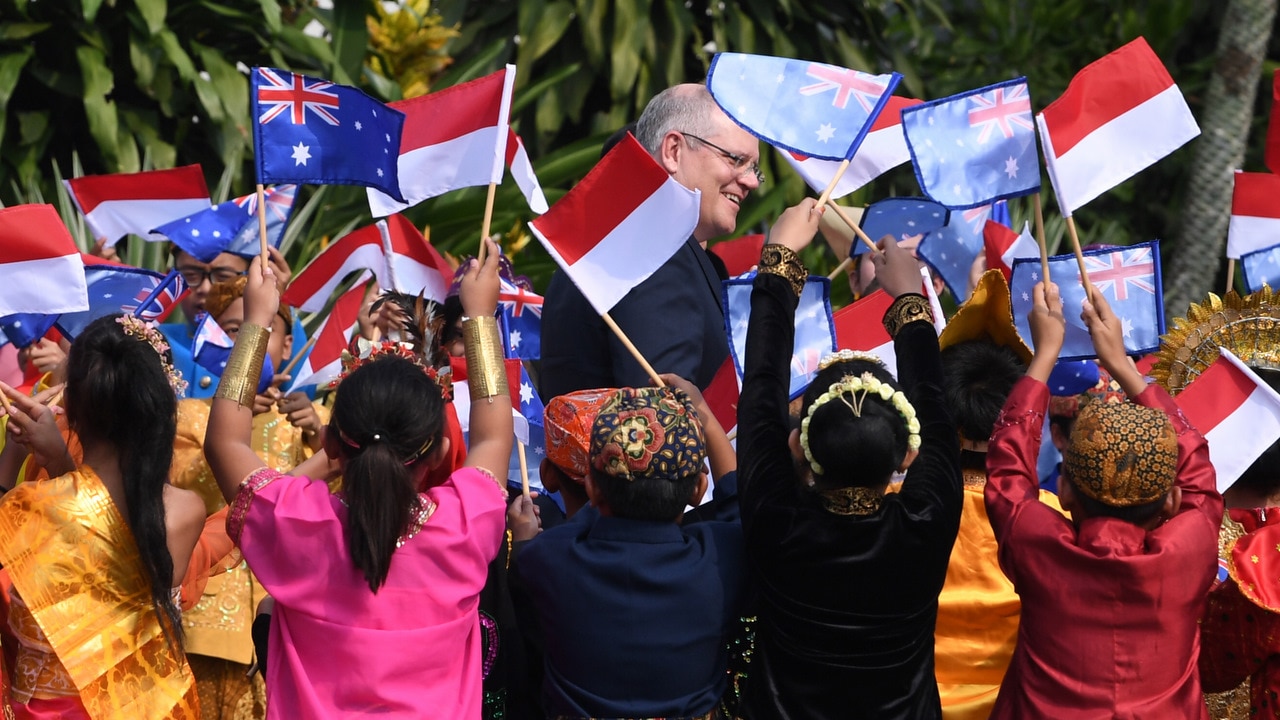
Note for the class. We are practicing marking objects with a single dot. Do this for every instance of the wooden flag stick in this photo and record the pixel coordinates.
(857, 230)
(300, 354)
(524, 469)
(484, 224)
(844, 265)
(1231, 275)
(1040, 240)
(831, 186)
(262, 223)
(635, 352)
(1075, 245)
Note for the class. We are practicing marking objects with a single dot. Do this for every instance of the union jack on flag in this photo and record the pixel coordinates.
(821, 111)
(1128, 277)
(279, 206)
(521, 320)
(352, 139)
(976, 147)
(120, 288)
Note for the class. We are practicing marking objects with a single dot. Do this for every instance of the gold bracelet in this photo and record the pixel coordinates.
(906, 309)
(486, 372)
(244, 368)
(782, 261)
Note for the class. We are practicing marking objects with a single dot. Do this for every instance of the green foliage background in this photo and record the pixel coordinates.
(96, 86)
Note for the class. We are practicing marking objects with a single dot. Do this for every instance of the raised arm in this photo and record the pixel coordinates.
(227, 438)
(764, 460)
(491, 425)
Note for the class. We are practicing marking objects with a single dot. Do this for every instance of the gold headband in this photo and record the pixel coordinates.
(137, 328)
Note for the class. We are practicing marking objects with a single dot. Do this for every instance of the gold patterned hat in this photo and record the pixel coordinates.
(1122, 454)
(988, 313)
(1248, 326)
(647, 432)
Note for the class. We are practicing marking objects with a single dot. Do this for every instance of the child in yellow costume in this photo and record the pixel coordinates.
(978, 610)
(285, 431)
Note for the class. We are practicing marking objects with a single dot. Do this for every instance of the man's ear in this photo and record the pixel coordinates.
(670, 150)
(695, 499)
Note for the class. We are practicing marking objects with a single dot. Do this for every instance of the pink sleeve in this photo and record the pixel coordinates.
(478, 502)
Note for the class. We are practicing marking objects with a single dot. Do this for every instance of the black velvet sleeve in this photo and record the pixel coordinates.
(935, 475)
(765, 470)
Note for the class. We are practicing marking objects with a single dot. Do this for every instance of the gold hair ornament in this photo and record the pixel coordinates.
(137, 328)
(366, 352)
(847, 355)
(858, 388)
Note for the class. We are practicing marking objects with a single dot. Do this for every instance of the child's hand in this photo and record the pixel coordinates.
(524, 519)
(261, 294)
(700, 405)
(479, 290)
(34, 426)
(1107, 332)
(896, 268)
(797, 225)
(297, 407)
(1048, 325)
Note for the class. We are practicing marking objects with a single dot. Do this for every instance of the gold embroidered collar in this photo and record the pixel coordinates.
(852, 500)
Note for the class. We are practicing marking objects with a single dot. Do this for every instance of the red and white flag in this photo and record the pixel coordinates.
(1255, 214)
(453, 138)
(860, 327)
(1002, 246)
(522, 173)
(619, 225)
(1119, 114)
(392, 249)
(40, 266)
(134, 203)
(1236, 411)
(1272, 154)
(324, 363)
(884, 148)
(739, 255)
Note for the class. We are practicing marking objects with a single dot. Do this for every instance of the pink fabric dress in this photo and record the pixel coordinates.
(413, 649)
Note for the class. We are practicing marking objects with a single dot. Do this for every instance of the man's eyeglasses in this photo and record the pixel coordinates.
(195, 277)
(741, 163)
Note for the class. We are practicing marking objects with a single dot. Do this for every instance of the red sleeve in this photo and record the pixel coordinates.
(1012, 482)
(1236, 638)
(1196, 476)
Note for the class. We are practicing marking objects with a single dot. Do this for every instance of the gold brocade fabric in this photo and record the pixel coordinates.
(74, 562)
(978, 613)
(219, 626)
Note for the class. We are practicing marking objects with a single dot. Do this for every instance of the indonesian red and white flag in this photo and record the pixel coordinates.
(324, 363)
(1002, 246)
(1255, 214)
(1119, 114)
(40, 266)
(522, 173)
(392, 249)
(860, 327)
(739, 255)
(884, 148)
(462, 395)
(1236, 411)
(619, 225)
(453, 138)
(134, 203)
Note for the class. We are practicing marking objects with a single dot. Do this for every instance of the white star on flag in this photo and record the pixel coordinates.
(301, 154)
(1011, 167)
(1035, 276)
(515, 339)
(359, 126)
(1126, 326)
(826, 132)
(526, 393)
(379, 172)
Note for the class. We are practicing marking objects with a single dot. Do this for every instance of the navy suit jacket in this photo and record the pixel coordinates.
(674, 318)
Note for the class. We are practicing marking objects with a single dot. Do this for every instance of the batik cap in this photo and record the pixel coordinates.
(567, 421)
(988, 313)
(1122, 454)
(1066, 396)
(647, 432)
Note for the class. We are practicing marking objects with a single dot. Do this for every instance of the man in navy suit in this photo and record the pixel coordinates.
(674, 317)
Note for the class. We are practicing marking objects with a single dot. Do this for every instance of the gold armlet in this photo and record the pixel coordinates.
(782, 261)
(244, 368)
(486, 372)
(906, 309)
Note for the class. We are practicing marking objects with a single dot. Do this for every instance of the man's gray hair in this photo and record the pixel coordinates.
(683, 108)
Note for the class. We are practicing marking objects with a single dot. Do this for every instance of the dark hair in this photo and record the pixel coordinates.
(1136, 514)
(646, 498)
(384, 413)
(1263, 476)
(853, 450)
(977, 377)
(452, 314)
(424, 324)
(119, 394)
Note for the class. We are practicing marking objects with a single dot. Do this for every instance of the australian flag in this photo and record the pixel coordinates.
(314, 131)
(975, 147)
(814, 109)
(1261, 267)
(117, 288)
(24, 329)
(1128, 277)
(521, 320)
(206, 234)
(951, 250)
(279, 204)
(901, 217)
(211, 348)
(815, 330)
